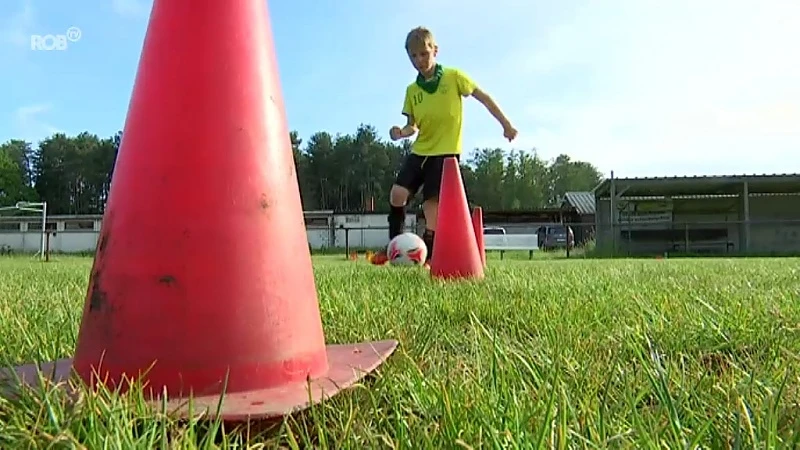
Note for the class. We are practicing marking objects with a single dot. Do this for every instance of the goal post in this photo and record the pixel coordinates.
(40, 207)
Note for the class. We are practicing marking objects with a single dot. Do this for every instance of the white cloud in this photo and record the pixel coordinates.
(667, 88)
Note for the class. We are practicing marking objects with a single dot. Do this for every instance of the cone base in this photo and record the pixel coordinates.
(457, 276)
(348, 363)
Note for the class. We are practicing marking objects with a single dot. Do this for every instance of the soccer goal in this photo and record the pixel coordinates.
(33, 207)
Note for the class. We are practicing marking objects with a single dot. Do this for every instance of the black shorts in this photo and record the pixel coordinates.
(423, 171)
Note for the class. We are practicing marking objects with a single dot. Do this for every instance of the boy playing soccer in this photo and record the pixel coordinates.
(433, 106)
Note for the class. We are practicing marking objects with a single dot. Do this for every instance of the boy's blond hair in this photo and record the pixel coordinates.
(419, 38)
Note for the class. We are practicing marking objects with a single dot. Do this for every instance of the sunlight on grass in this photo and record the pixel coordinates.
(551, 353)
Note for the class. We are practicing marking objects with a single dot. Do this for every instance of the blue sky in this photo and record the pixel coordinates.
(641, 87)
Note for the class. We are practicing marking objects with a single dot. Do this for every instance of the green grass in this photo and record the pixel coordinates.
(546, 353)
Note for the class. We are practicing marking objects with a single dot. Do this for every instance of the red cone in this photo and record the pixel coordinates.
(218, 294)
(477, 225)
(455, 249)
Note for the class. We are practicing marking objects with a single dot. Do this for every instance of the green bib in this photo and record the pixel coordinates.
(431, 85)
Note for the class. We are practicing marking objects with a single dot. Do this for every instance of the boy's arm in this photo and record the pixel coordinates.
(488, 102)
(408, 110)
(410, 128)
(468, 87)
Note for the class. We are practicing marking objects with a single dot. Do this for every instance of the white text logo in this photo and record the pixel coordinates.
(50, 42)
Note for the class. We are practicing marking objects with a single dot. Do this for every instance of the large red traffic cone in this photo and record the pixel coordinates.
(455, 250)
(477, 225)
(218, 294)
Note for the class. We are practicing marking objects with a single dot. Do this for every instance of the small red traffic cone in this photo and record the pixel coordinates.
(201, 303)
(477, 225)
(455, 249)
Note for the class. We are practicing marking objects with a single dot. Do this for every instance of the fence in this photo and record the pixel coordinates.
(768, 237)
(341, 234)
(325, 231)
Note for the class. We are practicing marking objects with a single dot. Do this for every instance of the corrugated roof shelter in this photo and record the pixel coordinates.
(583, 202)
(579, 212)
(725, 214)
(699, 185)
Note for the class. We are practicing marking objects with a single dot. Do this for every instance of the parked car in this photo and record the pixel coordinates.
(493, 230)
(555, 236)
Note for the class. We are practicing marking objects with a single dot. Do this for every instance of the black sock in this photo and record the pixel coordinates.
(427, 237)
(397, 219)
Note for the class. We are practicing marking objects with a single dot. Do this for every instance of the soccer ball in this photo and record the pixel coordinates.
(407, 249)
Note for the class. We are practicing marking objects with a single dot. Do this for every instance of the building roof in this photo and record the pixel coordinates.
(583, 202)
(700, 185)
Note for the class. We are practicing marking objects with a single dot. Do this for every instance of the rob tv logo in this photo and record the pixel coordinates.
(51, 42)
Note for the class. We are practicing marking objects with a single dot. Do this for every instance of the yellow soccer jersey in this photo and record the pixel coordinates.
(439, 116)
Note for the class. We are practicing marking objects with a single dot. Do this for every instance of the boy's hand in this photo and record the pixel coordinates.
(395, 133)
(509, 132)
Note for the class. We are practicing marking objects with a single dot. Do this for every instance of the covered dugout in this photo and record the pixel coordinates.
(747, 214)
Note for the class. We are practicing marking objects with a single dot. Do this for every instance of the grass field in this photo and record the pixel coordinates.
(546, 353)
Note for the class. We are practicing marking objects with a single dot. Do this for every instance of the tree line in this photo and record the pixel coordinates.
(341, 172)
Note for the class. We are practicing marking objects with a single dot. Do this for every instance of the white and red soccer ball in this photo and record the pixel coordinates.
(407, 249)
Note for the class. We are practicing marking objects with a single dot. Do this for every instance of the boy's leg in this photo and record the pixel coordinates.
(405, 186)
(430, 208)
(430, 193)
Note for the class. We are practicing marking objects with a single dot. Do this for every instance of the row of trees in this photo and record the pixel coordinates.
(348, 172)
